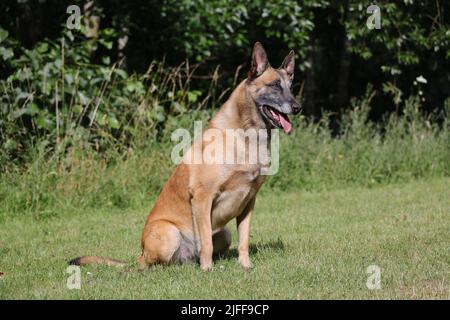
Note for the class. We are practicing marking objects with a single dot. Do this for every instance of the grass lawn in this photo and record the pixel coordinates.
(304, 246)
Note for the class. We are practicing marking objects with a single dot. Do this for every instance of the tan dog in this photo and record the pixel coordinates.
(188, 220)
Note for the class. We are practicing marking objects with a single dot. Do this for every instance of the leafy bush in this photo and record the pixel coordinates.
(55, 98)
(337, 55)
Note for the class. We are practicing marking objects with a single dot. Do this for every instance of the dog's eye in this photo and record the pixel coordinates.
(276, 84)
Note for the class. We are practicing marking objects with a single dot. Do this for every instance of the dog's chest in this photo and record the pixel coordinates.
(233, 198)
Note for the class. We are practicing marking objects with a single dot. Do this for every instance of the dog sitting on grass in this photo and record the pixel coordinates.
(188, 220)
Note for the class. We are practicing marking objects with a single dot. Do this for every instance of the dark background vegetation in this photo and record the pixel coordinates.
(337, 54)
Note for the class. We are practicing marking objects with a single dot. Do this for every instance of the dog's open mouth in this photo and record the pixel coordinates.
(277, 118)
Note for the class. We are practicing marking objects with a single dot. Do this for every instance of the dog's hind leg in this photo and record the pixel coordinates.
(165, 244)
(162, 240)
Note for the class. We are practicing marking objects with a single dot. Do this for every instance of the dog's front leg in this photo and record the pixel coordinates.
(201, 208)
(243, 228)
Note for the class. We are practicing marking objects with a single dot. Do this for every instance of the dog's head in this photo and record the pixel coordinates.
(270, 89)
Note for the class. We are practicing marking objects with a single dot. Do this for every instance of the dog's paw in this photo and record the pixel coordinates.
(245, 262)
(206, 265)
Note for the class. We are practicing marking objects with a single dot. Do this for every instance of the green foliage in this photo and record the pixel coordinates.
(57, 98)
(337, 55)
(211, 26)
(405, 33)
(403, 147)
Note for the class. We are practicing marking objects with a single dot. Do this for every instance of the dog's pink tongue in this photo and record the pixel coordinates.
(287, 126)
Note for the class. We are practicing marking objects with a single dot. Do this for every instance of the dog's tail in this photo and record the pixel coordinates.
(85, 260)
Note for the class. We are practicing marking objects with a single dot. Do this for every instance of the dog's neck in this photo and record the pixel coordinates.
(239, 112)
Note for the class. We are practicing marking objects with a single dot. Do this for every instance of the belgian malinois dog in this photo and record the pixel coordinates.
(188, 220)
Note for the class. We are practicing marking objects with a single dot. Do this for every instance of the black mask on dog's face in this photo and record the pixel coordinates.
(272, 93)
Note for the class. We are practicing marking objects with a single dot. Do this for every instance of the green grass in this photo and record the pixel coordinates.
(305, 245)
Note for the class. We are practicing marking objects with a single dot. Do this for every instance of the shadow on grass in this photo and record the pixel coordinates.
(271, 245)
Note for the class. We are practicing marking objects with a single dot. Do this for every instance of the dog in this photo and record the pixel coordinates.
(188, 221)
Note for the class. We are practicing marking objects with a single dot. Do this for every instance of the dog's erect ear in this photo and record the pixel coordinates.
(259, 61)
(289, 64)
